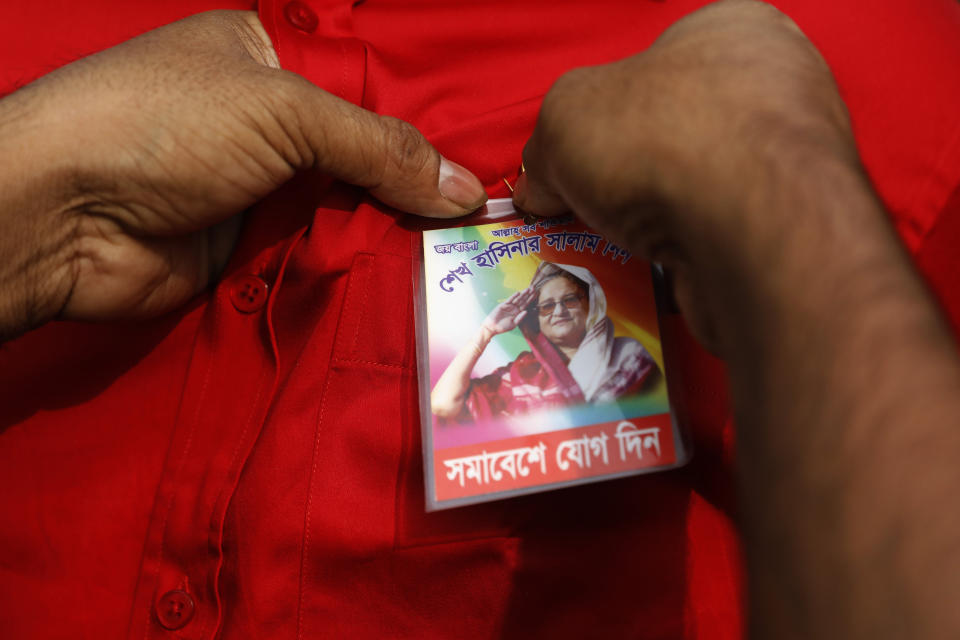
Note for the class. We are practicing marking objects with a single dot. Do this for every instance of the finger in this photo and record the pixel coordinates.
(534, 192)
(691, 305)
(523, 302)
(388, 156)
(520, 317)
(533, 195)
(521, 298)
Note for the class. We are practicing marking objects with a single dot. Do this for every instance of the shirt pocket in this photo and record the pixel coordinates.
(370, 465)
(376, 320)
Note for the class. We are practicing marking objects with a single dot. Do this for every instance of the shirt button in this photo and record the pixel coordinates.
(300, 16)
(175, 609)
(248, 293)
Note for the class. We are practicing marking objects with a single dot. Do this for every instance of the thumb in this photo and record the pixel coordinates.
(388, 156)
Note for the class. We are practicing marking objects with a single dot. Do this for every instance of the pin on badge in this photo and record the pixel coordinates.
(528, 218)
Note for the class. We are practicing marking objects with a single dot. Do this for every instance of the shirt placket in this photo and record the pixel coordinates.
(315, 38)
(227, 393)
(233, 373)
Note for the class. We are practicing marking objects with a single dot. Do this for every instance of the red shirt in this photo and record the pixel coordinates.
(249, 466)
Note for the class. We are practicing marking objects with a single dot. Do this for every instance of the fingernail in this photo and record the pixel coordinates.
(459, 186)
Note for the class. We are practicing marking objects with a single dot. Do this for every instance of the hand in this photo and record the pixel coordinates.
(725, 152)
(124, 170)
(510, 313)
(686, 152)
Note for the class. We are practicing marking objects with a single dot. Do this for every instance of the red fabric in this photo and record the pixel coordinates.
(268, 463)
(939, 260)
(524, 385)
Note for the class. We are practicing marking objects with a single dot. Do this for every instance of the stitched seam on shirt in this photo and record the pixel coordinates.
(340, 333)
(223, 488)
(304, 547)
(457, 541)
(373, 363)
(363, 305)
(321, 412)
(341, 341)
(217, 530)
(180, 465)
(359, 270)
(403, 471)
(361, 273)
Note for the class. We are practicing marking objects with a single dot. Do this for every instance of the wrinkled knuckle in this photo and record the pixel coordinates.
(769, 14)
(254, 39)
(562, 120)
(563, 103)
(553, 118)
(406, 150)
(557, 100)
(212, 16)
(212, 23)
(573, 80)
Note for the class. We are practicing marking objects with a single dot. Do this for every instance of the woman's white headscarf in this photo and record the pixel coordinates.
(597, 359)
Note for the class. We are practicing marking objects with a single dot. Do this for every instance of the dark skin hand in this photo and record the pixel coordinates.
(123, 172)
(725, 152)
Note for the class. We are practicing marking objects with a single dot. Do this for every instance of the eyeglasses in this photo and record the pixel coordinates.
(571, 301)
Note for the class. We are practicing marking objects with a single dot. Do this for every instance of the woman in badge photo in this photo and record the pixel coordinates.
(574, 356)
